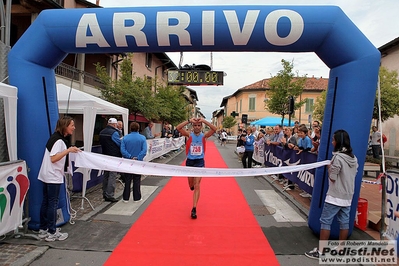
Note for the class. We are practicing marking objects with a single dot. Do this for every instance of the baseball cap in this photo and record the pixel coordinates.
(112, 121)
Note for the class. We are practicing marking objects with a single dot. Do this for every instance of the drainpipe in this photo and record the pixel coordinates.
(156, 73)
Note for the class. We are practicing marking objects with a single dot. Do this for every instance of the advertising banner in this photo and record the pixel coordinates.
(276, 156)
(392, 204)
(14, 185)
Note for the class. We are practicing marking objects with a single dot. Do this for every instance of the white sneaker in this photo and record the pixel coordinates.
(42, 233)
(125, 201)
(306, 195)
(56, 236)
(138, 200)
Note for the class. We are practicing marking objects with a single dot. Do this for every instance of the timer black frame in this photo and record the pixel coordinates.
(195, 77)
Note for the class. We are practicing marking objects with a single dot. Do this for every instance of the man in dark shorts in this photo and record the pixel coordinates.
(195, 151)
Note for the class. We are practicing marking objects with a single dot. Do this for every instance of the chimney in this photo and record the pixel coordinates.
(98, 2)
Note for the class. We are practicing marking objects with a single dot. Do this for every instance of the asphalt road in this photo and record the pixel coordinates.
(92, 240)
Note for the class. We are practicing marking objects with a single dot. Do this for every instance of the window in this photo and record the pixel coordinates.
(148, 60)
(251, 103)
(309, 105)
(240, 106)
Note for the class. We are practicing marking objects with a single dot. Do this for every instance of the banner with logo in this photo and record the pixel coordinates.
(14, 185)
(276, 156)
(158, 147)
(258, 154)
(392, 204)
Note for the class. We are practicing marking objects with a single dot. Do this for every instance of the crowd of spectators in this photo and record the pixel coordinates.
(299, 138)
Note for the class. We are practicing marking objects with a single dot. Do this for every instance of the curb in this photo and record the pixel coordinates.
(30, 257)
(277, 188)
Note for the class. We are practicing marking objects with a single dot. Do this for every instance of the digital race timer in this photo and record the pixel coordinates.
(195, 77)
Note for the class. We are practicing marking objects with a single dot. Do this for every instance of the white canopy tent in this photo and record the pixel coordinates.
(72, 101)
(9, 95)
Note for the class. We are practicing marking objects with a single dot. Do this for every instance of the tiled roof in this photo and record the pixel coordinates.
(310, 84)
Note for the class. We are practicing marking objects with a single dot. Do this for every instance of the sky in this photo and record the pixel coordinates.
(377, 20)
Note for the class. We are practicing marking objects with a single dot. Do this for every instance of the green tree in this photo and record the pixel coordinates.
(134, 93)
(319, 106)
(171, 104)
(281, 87)
(389, 86)
(229, 122)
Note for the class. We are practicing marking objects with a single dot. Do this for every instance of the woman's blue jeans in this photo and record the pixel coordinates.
(48, 210)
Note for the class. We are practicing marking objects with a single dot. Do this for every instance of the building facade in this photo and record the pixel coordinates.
(250, 101)
(390, 60)
(78, 70)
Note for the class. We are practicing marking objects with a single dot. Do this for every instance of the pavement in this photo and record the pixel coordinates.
(21, 248)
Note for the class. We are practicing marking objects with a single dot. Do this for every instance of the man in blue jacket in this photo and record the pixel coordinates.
(134, 147)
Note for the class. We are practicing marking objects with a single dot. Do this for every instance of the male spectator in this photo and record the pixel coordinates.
(255, 132)
(316, 139)
(195, 151)
(110, 145)
(133, 146)
(278, 135)
(304, 142)
(148, 131)
(276, 140)
(223, 138)
(240, 143)
(176, 133)
(314, 124)
(288, 142)
(120, 128)
(166, 132)
(375, 142)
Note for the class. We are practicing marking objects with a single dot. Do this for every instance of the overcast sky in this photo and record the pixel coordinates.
(378, 20)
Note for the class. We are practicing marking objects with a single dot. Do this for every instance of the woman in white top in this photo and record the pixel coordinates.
(52, 176)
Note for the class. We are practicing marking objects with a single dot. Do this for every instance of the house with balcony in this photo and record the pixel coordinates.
(250, 101)
(78, 71)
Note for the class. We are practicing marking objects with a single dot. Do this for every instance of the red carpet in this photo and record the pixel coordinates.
(225, 232)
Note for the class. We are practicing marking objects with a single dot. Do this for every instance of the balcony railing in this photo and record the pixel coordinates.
(71, 72)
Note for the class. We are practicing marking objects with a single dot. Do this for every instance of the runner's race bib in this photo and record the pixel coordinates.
(196, 149)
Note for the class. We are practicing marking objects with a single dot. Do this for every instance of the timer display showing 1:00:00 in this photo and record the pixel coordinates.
(195, 77)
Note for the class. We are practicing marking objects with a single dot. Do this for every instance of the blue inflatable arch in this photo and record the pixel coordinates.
(325, 30)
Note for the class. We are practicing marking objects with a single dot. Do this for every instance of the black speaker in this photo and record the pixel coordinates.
(244, 118)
